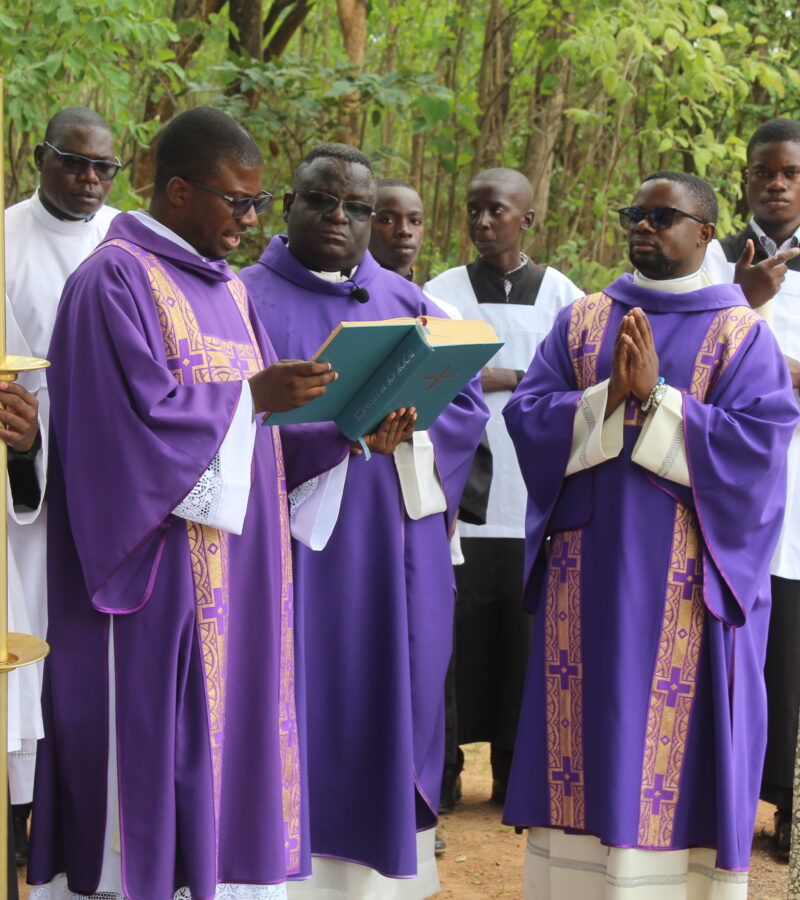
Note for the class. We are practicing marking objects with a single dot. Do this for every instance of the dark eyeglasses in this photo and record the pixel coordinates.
(240, 206)
(658, 217)
(320, 202)
(75, 164)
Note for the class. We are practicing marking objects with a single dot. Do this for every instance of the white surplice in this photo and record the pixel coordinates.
(522, 327)
(24, 684)
(41, 252)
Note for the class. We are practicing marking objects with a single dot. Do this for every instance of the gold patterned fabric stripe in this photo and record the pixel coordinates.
(633, 412)
(724, 336)
(179, 327)
(587, 327)
(289, 739)
(194, 357)
(563, 676)
(674, 685)
(239, 293)
(208, 552)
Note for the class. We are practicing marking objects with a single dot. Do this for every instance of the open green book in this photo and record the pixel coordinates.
(383, 366)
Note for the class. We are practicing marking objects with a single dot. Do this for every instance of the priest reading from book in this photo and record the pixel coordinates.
(652, 430)
(171, 759)
(377, 598)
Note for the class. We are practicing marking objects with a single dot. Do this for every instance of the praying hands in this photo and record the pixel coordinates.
(634, 362)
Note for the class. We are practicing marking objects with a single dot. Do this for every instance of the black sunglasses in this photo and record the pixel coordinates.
(658, 217)
(240, 205)
(75, 164)
(320, 202)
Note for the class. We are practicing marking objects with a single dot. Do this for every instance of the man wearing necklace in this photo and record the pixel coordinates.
(521, 300)
(652, 430)
(47, 235)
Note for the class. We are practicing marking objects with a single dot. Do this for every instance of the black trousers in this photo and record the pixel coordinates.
(491, 645)
(782, 677)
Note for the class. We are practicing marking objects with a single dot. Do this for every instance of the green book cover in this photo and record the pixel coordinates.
(395, 363)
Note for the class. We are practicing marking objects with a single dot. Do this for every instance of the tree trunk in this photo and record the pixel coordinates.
(545, 115)
(279, 25)
(248, 17)
(279, 37)
(494, 81)
(161, 104)
(353, 22)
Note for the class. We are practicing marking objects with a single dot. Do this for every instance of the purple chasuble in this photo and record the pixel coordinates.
(377, 602)
(148, 352)
(644, 716)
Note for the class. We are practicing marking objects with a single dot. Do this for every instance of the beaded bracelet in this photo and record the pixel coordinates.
(652, 395)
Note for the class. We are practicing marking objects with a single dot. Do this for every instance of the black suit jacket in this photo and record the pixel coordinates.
(734, 244)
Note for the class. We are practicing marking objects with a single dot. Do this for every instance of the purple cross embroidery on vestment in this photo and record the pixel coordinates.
(563, 563)
(563, 669)
(657, 794)
(673, 686)
(687, 578)
(186, 362)
(216, 613)
(567, 776)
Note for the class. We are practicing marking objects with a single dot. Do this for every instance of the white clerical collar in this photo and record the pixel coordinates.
(332, 277)
(769, 246)
(694, 282)
(141, 215)
(53, 223)
(335, 277)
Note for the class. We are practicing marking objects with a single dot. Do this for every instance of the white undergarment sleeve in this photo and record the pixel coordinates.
(314, 506)
(415, 462)
(661, 447)
(219, 498)
(595, 439)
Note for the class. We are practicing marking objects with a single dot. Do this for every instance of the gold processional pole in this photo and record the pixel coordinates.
(15, 649)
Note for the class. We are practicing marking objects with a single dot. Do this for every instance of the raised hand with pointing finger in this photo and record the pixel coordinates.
(760, 282)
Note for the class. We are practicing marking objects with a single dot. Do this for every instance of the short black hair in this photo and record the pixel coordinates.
(701, 191)
(73, 115)
(343, 152)
(774, 131)
(517, 181)
(195, 142)
(395, 182)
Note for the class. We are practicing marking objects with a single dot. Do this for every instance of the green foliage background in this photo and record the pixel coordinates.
(586, 98)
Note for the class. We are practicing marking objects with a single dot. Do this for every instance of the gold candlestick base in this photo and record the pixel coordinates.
(11, 366)
(23, 650)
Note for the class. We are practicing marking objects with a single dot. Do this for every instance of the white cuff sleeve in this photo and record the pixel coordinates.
(766, 311)
(219, 498)
(416, 468)
(661, 447)
(314, 506)
(595, 439)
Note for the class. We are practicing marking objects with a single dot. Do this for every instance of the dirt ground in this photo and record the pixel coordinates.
(484, 858)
